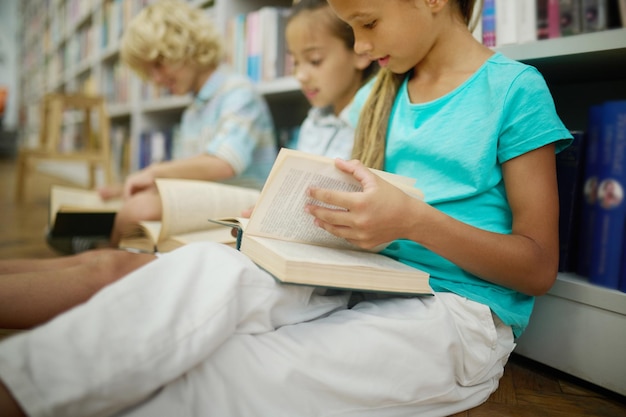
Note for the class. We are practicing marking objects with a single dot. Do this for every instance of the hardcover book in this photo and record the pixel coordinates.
(590, 190)
(570, 165)
(186, 205)
(281, 237)
(608, 233)
(78, 213)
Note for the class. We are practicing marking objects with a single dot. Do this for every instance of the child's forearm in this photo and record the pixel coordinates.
(202, 167)
(514, 261)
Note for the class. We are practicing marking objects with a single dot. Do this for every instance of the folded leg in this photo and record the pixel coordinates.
(33, 291)
(148, 329)
(422, 357)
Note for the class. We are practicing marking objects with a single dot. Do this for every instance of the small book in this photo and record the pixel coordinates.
(80, 212)
(281, 237)
(607, 239)
(570, 164)
(186, 204)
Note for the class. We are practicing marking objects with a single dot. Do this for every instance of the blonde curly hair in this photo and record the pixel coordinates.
(171, 32)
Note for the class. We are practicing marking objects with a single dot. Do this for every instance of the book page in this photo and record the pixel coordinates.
(78, 200)
(219, 235)
(302, 252)
(302, 263)
(280, 211)
(187, 204)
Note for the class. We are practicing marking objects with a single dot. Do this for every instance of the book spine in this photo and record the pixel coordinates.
(554, 19)
(622, 279)
(542, 19)
(477, 21)
(594, 15)
(253, 40)
(570, 170)
(269, 43)
(570, 11)
(157, 147)
(608, 234)
(506, 22)
(145, 149)
(526, 20)
(489, 23)
(589, 194)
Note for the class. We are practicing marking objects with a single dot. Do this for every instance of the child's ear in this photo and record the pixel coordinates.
(361, 61)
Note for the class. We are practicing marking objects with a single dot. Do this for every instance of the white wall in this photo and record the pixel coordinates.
(9, 58)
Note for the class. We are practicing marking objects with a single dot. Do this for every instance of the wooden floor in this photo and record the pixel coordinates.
(527, 389)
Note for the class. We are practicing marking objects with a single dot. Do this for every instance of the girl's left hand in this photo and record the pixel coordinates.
(379, 214)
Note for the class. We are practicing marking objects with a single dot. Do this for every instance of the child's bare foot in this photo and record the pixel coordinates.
(110, 191)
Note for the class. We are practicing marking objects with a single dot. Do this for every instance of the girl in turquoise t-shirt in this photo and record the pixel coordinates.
(203, 331)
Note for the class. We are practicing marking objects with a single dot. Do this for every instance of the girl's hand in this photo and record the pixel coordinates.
(379, 214)
(108, 192)
(247, 212)
(139, 181)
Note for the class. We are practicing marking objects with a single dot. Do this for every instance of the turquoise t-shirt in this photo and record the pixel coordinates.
(455, 147)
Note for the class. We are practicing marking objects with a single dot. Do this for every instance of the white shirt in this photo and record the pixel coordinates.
(323, 133)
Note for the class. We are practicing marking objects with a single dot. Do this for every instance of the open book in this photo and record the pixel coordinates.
(186, 205)
(281, 237)
(80, 212)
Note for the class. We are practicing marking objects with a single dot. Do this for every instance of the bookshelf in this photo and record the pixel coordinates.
(577, 327)
(73, 45)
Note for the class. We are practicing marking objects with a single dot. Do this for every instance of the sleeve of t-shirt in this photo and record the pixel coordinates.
(530, 120)
(242, 126)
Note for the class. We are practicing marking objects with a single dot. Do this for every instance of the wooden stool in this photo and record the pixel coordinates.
(95, 149)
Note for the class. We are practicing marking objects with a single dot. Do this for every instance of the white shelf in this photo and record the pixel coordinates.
(580, 58)
(580, 329)
(117, 110)
(166, 103)
(586, 43)
(576, 288)
(279, 86)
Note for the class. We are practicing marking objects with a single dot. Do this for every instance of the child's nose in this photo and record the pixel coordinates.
(301, 73)
(362, 46)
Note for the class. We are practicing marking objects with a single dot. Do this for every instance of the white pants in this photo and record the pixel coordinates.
(202, 331)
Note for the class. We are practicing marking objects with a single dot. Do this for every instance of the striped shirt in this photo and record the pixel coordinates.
(230, 120)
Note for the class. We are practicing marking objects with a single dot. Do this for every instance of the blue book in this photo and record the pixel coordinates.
(622, 278)
(570, 172)
(608, 233)
(589, 193)
(145, 149)
(489, 23)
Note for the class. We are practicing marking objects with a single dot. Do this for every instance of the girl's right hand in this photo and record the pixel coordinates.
(378, 215)
(247, 212)
(108, 192)
(139, 181)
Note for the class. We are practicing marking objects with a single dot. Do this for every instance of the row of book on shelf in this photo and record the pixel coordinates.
(256, 46)
(506, 22)
(255, 43)
(592, 181)
(157, 145)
